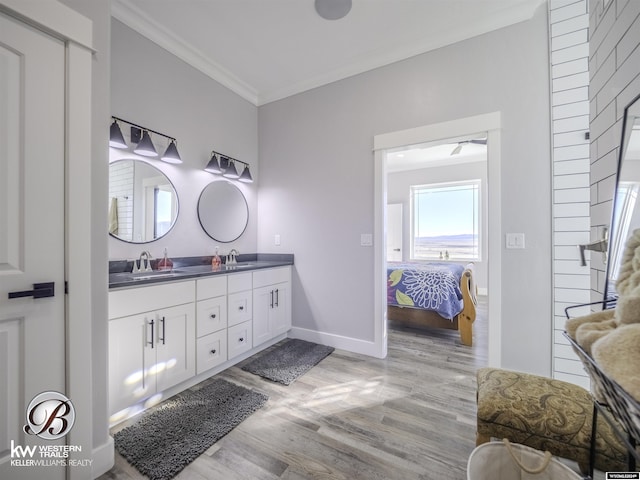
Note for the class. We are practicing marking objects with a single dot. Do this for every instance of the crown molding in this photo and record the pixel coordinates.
(136, 19)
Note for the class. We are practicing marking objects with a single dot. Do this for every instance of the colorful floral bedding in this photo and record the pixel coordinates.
(429, 286)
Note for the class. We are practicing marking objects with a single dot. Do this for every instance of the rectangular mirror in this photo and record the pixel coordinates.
(626, 208)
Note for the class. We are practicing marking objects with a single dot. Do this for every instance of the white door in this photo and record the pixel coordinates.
(32, 330)
(394, 232)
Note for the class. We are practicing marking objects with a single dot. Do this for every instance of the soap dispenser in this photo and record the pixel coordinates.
(216, 262)
(165, 263)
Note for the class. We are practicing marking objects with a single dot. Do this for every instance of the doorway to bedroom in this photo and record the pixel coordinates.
(437, 202)
(436, 232)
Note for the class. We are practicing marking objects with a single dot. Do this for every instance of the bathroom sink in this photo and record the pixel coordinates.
(131, 276)
(154, 274)
(233, 266)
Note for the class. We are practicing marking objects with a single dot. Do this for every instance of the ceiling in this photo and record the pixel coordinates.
(266, 50)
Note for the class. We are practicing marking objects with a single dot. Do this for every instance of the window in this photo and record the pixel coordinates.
(445, 221)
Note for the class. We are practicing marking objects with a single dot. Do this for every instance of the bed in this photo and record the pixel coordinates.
(435, 294)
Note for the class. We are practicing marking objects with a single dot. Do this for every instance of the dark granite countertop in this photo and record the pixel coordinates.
(120, 275)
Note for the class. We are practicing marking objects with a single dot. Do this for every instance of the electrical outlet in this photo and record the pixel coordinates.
(276, 239)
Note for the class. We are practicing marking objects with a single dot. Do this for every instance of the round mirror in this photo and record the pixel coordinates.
(143, 204)
(223, 211)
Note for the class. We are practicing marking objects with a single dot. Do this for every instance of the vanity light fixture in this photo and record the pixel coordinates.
(246, 176)
(142, 136)
(116, 139)
(146, 147)
(226, 166)
(231, 171)
(171, 155)
(214, 165)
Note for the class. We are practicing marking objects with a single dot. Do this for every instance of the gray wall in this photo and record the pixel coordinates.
(398, 191)
(316, 186)
(614, 71)
(155, 89)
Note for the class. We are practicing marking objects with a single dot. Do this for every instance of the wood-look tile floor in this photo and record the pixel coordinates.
(408, 416)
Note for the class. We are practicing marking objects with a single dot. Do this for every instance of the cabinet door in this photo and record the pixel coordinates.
(129, 353)
(281, 312)
(211, 315)
(175, 340)
(240, 307)
(262, 305)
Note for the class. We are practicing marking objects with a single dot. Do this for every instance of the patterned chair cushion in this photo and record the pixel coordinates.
(545, 414)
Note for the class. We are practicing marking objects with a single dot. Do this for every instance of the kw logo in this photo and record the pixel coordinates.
(18, 451)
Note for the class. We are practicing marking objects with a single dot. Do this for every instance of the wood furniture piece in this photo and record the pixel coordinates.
(167, 336)
(545, 414)
(463, 322)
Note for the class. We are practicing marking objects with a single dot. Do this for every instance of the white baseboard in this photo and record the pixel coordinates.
(103, 458)
(337, 341)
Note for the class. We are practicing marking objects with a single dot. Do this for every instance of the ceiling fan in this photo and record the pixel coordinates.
(477, 141)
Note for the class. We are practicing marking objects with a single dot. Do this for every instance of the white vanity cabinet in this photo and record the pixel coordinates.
(240, 310)
(271, 303)
(151, 341)
(211, 322)
(168, 336)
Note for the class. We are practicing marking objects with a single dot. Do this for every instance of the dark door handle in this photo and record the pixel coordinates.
(40, 290)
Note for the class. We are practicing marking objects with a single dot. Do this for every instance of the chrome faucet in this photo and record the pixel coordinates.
(143, 264)
(231, 257)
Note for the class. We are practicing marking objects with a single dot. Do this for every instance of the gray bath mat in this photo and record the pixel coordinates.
(164, 441)
(288, 361)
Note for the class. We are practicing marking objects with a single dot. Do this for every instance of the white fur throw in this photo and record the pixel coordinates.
(618, 355)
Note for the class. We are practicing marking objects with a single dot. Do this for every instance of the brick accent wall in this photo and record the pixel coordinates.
(614, 71)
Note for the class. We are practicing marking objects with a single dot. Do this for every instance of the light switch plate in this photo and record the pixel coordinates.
(366, 239)
(515, 240)
(276, 239)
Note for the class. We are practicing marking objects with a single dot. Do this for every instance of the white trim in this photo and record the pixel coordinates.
(137, 20)
(54, 18)
(491, 123)
(103, 458)
(350, 344)
(78, 251)
(380, 252)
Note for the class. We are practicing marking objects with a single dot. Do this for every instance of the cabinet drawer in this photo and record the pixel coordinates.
(211, 315)
(237, 282)
(144, 299)
(270, 276)
(211, 287)
(240, 308)
(239, 338)
(211, 351)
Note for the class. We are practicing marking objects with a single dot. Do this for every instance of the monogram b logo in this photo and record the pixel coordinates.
(50, 415)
